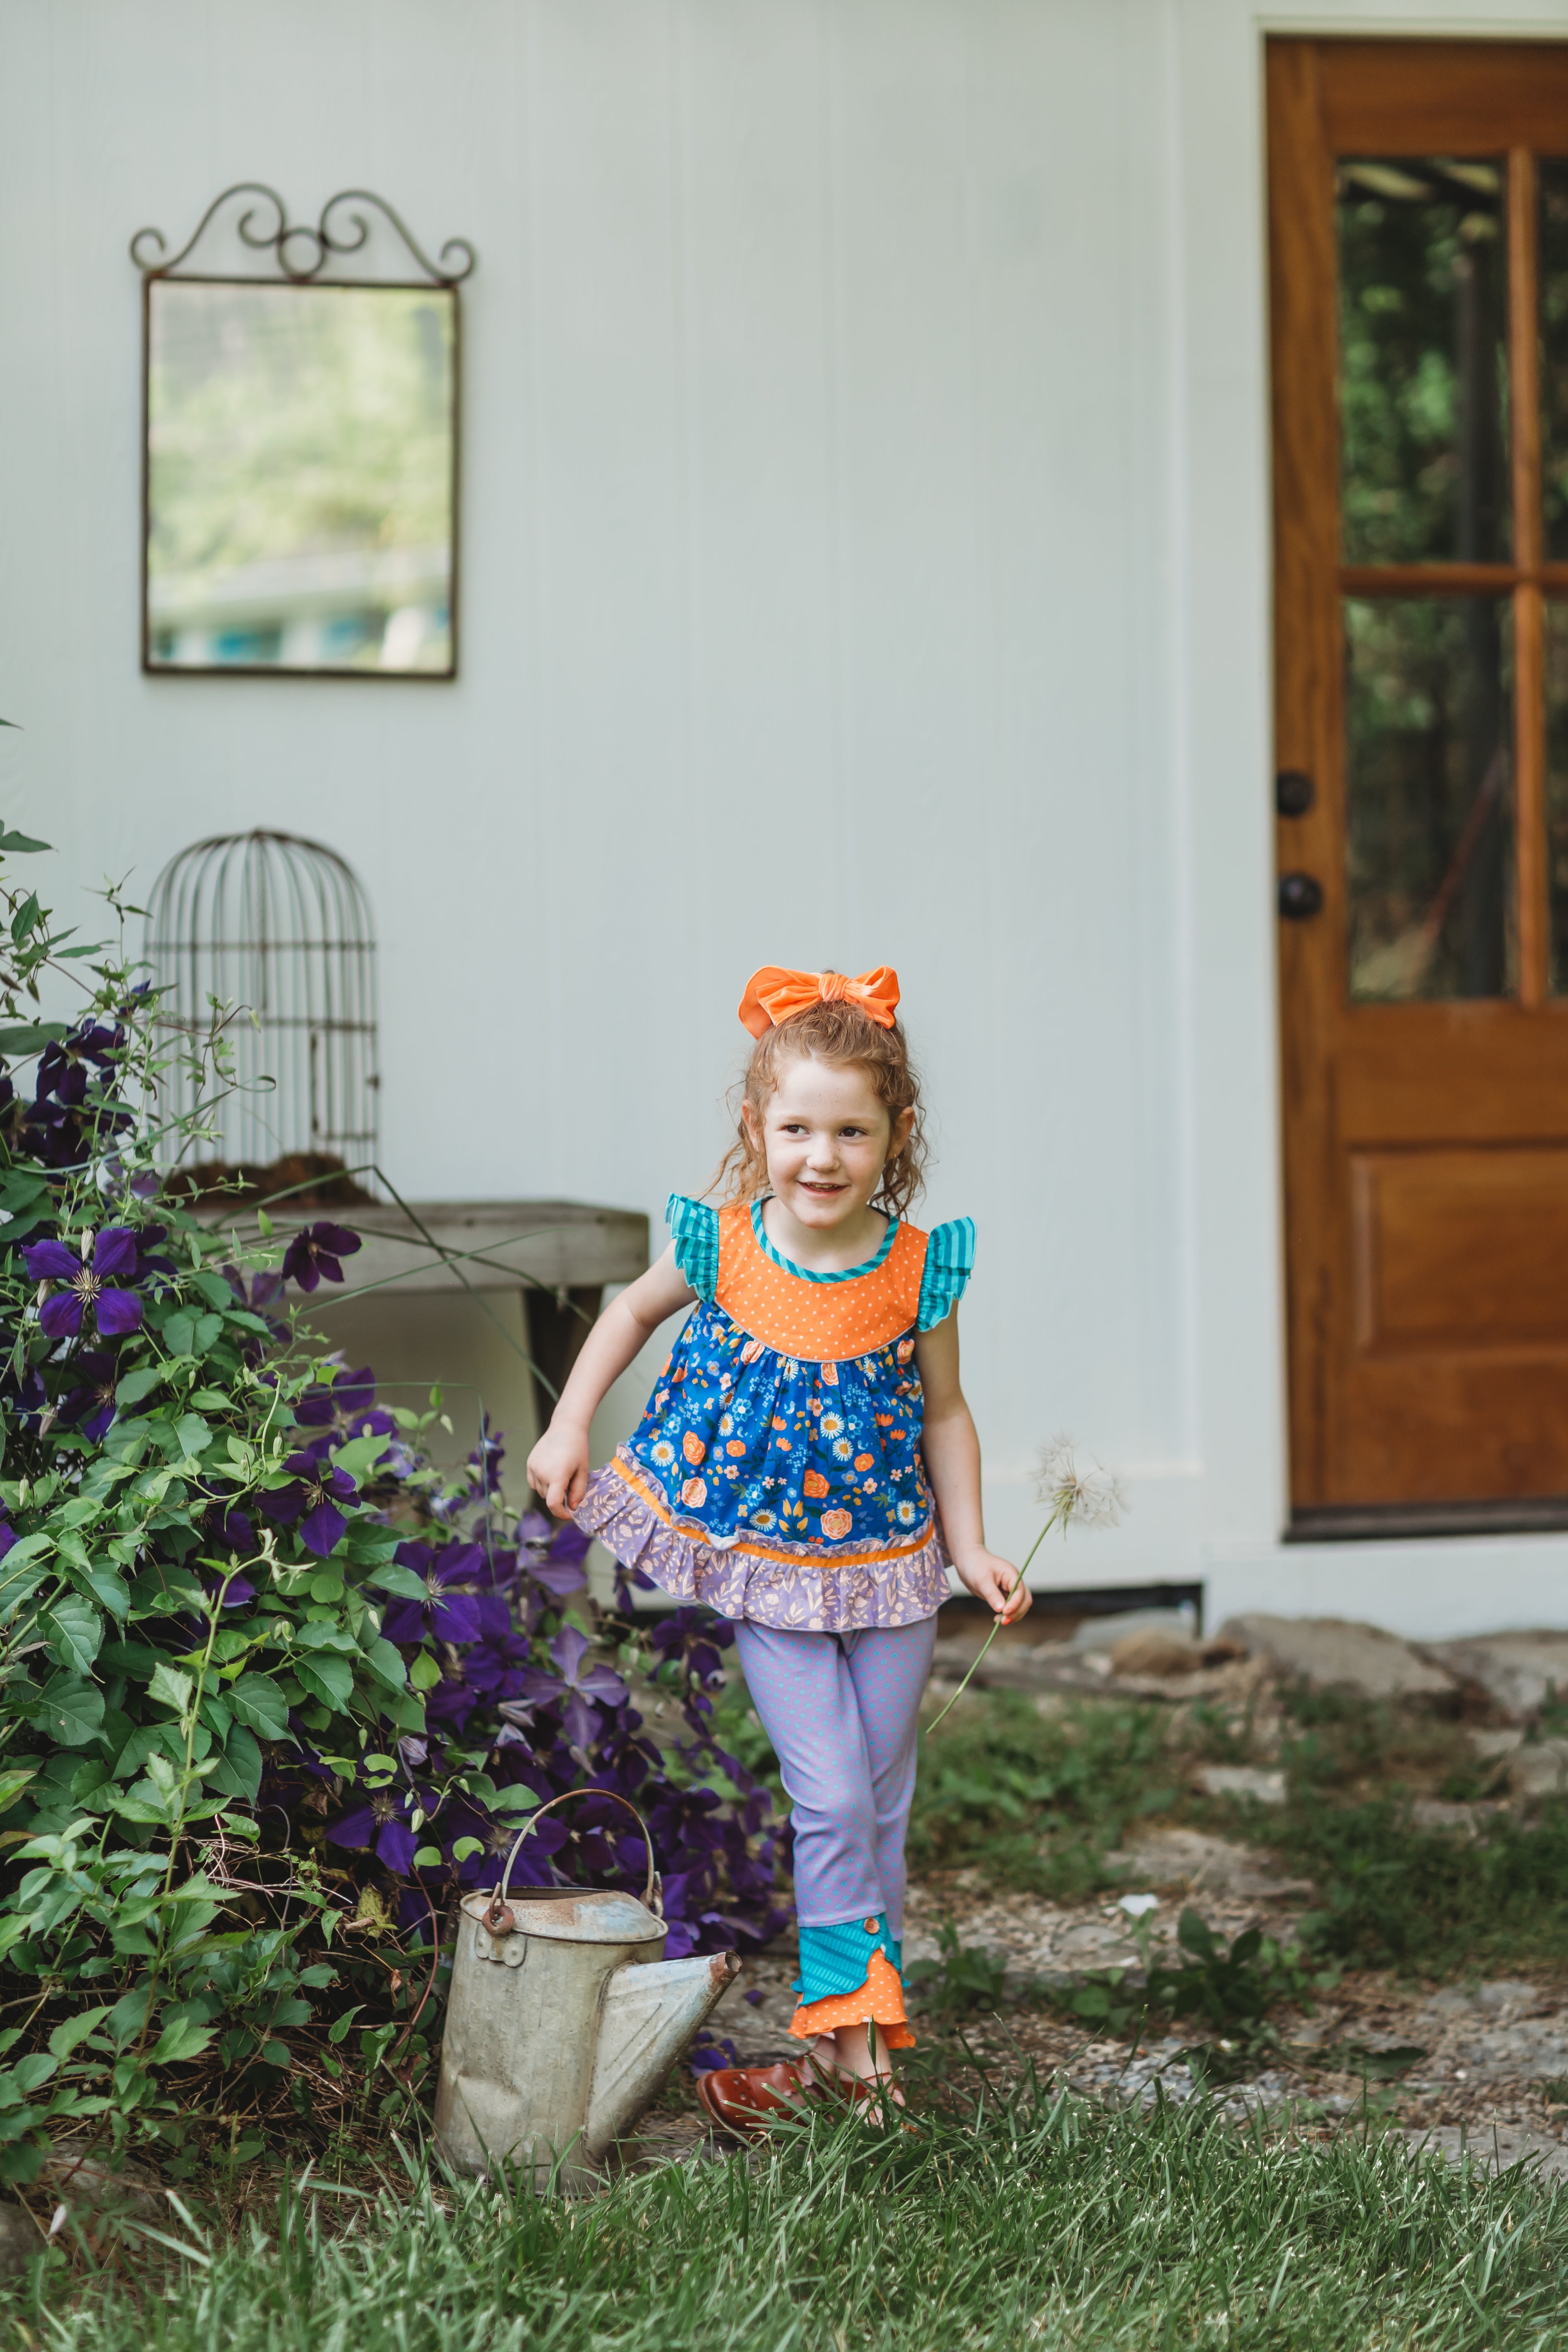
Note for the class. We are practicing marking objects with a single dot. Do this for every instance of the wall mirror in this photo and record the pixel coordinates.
(301, 453)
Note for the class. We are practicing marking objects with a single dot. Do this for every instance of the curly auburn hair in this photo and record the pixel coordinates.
(841, 1033)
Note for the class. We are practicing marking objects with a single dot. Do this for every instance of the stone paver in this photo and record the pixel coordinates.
(1493, 2150)
(1336, 1652)
(1152, 1652)
(1513, 1669)
(1103, 1633)
(1241, 1781)
(1206, 1865)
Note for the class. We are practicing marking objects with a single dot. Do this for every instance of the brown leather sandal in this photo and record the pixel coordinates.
(741, 2099)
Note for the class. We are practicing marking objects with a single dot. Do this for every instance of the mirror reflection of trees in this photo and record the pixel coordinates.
(300, 476)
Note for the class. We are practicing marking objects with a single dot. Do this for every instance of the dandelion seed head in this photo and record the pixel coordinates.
(1077, 1489)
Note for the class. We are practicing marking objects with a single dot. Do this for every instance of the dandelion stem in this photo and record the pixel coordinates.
(1063, 1512)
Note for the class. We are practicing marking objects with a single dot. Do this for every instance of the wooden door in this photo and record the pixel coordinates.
(1419, 278)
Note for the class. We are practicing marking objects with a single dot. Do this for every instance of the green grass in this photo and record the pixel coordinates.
(1345, 1746)
(1035, 1800)
(1432, 1902)
(1041, 2222)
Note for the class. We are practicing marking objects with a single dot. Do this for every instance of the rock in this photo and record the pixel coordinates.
(1436, 1814)
(1019, 1665)
(1105, 1632)
(1337, 1652)
(1489, 2000)
(1513, 1669)
(1538, 1769)
(1090, 1944)
(1241, 1781)
(1507, 1992)
(1151, 1651)
(82, 2176)
(1493, 2148)
(1206, 1865)
(20, 2239)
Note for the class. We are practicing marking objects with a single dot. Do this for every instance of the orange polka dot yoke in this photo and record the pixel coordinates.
(776, 1473)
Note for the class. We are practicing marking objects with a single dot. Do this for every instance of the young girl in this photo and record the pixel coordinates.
(807, 1466)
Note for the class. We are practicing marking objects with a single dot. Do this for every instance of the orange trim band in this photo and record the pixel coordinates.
(660, 1509)
(880, 2001)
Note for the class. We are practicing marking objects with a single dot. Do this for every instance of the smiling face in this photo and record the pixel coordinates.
(826, 1137)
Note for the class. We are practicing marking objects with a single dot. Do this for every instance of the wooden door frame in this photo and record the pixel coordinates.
(1329, 96)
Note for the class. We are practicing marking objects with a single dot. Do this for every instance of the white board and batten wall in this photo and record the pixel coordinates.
(865, 559)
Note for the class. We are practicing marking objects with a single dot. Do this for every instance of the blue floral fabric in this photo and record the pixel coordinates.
(744, 1441)
(834, 1960)
(775, 1488)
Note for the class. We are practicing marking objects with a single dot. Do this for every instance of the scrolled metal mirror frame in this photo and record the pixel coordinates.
(325, 241)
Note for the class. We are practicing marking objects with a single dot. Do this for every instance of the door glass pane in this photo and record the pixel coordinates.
(1429, 797)
(1557, 788)
(1553, 269)
(1423, 361)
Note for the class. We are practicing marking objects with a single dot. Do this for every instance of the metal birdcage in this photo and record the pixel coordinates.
(280, 928)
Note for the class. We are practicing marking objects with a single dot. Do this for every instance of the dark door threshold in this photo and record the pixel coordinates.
(1531, 1514)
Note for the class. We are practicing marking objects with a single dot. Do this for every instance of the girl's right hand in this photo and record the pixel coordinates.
(558, 1468)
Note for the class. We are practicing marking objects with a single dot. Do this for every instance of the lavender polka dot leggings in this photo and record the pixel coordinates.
(843, 1713)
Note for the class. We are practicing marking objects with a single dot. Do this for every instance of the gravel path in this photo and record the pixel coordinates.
(1495, 2059)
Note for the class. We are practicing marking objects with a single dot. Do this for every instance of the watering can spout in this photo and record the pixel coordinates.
(650, 2013)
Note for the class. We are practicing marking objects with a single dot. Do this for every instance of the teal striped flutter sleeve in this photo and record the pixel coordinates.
(695, 1229)
(950, 1262)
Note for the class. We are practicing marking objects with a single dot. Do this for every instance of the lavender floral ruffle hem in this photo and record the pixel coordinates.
(801, 1596)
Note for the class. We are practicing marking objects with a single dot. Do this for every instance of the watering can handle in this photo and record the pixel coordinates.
(650, 1895)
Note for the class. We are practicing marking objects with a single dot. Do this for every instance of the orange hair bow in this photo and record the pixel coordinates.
(774, 995)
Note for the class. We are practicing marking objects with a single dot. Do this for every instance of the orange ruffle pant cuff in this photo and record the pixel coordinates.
(880, 2001)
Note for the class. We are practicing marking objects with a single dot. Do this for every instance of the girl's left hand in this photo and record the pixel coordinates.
(996, 1582)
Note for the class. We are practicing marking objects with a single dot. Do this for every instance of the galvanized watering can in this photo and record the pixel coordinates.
(562, 2021)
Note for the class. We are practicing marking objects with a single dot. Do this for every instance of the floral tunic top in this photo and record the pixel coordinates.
(776, 1474)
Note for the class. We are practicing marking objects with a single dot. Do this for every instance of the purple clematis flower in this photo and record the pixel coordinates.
(61, 1071)
(317, 1250)
(86, 1284)
(579, 1685)
(708, 2054)
(444, 1615)
(484, 1463)
(238, 1591)
(91, 1406)
(380, 1820)
(344, 1407)
(312, 1500)
(450, 1704)
(263, 1292)
(233, 1529)
(552, 1556)
(27, 1395)
(500, 1646)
